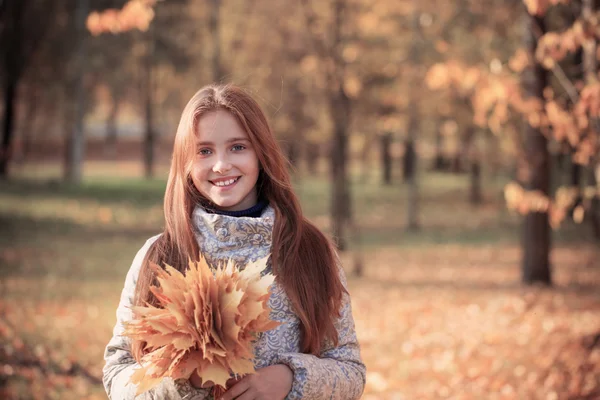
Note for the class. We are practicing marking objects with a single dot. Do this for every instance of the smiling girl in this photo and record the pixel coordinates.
(229, 195)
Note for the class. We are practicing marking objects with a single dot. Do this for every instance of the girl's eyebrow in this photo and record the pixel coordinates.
(235, 139)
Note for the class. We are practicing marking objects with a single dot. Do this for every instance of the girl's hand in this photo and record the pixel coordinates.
(196, 382)
(270, 383)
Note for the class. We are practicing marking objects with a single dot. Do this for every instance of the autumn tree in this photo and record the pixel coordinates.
(536, 226)
(329, 49)
(23, 25)
(158, 48)
(558, 108)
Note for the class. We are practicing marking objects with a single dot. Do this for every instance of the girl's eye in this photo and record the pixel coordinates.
(238, 147)
(204, 152)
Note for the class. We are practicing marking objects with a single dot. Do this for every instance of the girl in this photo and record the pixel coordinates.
(229, 196)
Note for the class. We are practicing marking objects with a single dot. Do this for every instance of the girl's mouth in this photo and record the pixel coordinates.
(225, 182)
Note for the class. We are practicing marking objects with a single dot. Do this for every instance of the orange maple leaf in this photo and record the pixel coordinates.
(205, 323)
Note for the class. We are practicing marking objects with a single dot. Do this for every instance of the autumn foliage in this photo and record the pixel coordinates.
(568, 114)
(136, 14)
(205, 323)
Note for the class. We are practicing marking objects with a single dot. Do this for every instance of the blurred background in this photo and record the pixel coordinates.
(450, 148)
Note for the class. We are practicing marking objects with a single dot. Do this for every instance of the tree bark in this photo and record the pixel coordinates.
(536, 227)
(30, 121)
(365, 162)
(410, 155)
(409, 161)
(386, 158)
(76, 145)
(439, 163)
(311, 157)
(149, 137)
(292, 150)
(410, 174)
(10, 95)
(476, 196)
(215, 11)
(13, 65)
(340, 106)
(594, 212)
(590, 68)
(340, 205)
(111, 124)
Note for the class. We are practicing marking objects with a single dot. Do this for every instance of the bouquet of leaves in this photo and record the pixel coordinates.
(206, 323)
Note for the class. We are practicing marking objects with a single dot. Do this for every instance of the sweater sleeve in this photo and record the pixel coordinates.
(338, 372)
(120, 364)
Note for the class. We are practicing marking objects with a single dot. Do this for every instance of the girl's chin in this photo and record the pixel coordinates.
(224, 204)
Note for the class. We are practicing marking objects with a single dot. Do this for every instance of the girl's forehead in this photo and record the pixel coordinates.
(218, 124)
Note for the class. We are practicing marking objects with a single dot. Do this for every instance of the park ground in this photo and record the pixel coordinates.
(440, 313)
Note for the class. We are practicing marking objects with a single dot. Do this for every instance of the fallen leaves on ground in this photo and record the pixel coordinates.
(434, 322)
(453, 323)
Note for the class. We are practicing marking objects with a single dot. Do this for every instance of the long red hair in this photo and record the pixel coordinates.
(302, 257)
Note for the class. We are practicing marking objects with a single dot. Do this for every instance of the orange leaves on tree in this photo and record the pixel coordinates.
(554, 46)
(536, 7)
(519, 61)
(525, 201)
(453, 74)
(438, 77)
(136, 14)
(539, 7)
(205, 324)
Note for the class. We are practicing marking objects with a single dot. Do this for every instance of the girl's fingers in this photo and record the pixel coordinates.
(247, 395)
(207, 384)
(231, 382)
(237, 390)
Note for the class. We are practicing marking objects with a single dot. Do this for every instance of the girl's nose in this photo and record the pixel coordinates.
(222, 165)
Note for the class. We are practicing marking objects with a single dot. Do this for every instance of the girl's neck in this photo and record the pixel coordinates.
(253, 212)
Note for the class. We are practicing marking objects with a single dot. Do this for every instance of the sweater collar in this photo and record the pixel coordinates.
(242, 239)
(254, 211)
(227, 228)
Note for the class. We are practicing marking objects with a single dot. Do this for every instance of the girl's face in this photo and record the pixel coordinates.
(225, 168)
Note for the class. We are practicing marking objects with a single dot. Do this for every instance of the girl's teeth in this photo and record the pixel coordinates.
(225, 183)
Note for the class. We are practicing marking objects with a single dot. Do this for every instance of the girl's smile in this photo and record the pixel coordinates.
(225, 183)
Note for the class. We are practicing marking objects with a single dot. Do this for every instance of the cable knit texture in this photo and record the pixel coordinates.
(338, 372)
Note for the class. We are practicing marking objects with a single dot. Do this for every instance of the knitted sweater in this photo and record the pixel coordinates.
(337, 373)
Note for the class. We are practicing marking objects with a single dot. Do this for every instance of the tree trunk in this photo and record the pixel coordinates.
(594, 211)
(365, 162)
(410, 174)
(439, 163)
(576, 175)
(409, 161)
(386, 158)
(311, 157)
(111, 124)
(13, 66)
(590, 68)
(340, 107)
(149, 137)
(149, 133)
(536, 227)
(340, 199)
(293, 152)
(215, 35)
(410, 155)
(10, 97)
(76, 147)
(30, 122)
(476, 196)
